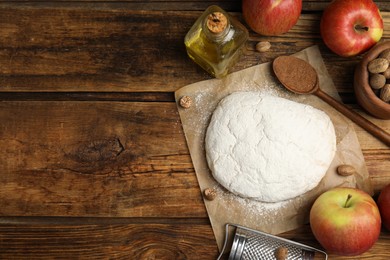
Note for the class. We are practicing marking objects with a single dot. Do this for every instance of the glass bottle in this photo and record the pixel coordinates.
(215, 41)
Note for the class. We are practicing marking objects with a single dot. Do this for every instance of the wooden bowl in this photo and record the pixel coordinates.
(364, 93)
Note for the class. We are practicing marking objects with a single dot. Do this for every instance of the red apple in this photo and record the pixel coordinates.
(345, 221)
(271, 17)
(351, 27)
(384, 206)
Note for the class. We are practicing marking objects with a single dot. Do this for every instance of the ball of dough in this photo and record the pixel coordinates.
(268, 148)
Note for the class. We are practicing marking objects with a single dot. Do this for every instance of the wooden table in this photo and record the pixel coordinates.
(94, 163)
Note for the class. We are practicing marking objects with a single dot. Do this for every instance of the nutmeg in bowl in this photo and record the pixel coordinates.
(372, 90)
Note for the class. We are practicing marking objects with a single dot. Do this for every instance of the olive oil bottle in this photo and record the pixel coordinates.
(215, 41)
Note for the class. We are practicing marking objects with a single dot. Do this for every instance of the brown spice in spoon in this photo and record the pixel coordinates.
(295, 74)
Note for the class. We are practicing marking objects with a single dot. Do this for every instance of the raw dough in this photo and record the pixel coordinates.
(268, 148)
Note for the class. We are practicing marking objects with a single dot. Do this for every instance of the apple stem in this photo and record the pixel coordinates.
(361, 28)
(348, 199)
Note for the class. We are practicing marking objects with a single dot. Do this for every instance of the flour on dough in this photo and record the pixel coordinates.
(268, 148)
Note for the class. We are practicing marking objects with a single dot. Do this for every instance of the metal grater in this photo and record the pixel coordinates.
(249, 244)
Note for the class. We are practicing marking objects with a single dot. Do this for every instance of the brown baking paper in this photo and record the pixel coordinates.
(279, 217)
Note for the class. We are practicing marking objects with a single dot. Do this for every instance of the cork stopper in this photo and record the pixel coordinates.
(216, 22)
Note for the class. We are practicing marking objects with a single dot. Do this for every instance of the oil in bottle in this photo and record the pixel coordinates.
(215, 41)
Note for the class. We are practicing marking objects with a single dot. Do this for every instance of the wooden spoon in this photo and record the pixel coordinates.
(300, 77)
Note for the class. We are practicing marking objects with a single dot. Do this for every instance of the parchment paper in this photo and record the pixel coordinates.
(279, 217)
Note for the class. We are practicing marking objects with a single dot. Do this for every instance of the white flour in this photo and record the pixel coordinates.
(204, 103)
(268, 148)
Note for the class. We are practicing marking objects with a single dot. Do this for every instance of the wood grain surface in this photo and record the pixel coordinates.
(94, 162)
(129, 51)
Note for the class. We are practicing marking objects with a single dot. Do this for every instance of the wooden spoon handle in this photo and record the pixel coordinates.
(355, 117)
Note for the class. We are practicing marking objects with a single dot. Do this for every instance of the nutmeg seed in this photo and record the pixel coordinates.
(281, 253)
(385, 54)
(345, 170)
(378, 65)
(377, 81)
(387, 73)
(210, 194)
(385, 93)
(185, 102)
(263, 46)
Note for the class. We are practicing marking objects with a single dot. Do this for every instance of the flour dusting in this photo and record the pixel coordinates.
(251, 211)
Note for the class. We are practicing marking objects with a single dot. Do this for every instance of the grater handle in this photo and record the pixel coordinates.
(225, 243)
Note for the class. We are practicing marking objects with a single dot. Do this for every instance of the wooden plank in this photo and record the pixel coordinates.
(67, 50)
(95, 159)
(117, 241)
(181, 240)
(89, 96)
(142, 51)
